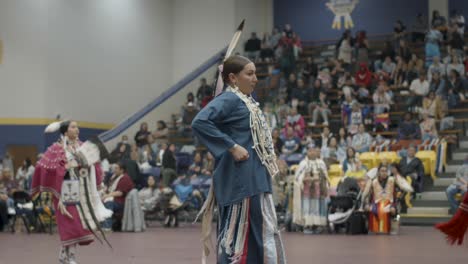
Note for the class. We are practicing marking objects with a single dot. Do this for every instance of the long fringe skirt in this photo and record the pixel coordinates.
(248, 232)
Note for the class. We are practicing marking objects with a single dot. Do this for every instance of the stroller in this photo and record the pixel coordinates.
(342, 210)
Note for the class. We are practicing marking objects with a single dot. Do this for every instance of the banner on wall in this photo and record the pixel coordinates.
(342, 9)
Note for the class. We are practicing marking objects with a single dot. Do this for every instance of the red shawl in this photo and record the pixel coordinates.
(457, 228)
(50, 171)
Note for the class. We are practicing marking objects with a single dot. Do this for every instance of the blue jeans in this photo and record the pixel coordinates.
(115, 207)
(451, 191)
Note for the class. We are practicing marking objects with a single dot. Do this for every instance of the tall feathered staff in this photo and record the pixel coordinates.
(231, 47)
(208, 206)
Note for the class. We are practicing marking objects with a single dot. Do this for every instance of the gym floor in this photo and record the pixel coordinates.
(182, 245)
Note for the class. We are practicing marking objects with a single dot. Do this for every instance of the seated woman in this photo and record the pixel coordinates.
(330, 152)
(351, 160)
(428, 128)
(195, 168)
(380, 197)
(115, 192)
(161, 133)
(432, 106)
(149, 195)
(296, 122)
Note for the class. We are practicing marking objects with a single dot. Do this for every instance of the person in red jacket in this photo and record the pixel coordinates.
(363, 80)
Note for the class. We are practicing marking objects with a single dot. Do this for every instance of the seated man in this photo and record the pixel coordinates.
(380, 197)
(291, 145)
(408, 129)
(459, 185)
(7, 187)
(115, 193)
(413, 167)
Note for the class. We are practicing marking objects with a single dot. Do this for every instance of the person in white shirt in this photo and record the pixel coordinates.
(418, 89)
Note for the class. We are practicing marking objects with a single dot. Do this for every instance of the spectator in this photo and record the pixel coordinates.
(291, 86)
(418, 89)
(302, 95)
(296, 122)
(169, 173)
(121, 151)
(362, 140)
(141, 137)
(346, 80)
(387, 51)
(362, 47)
(388, 67)
(455, 89)
(399, 32)
(356, 118)
(8, 163)
(291, 144)
(428, 128)
(307, 141)
(197, 165)
(351, 161)
(189, 114)
(458, 20)
(345, 50)
(204, 93)
(408, 129)
(267, 53)
(439, 22)
(438, 86)
(330, 153)
(277, 141)
(322, 107)
(288, 31)
(436, 67)
(456, 42)
(404, 51)
(297, 45)
(400, 73)
(149, 195)
(459, 186)
(432, 106)
(115, 192)
(412, 166)
(161, 132)
(456, 65)
(382, 99)
(363, 79)
(208, 164)
(270, 117)
(24, 174)
(275, 38)
(433, 40)
(310, 70)
(325, 137)
(419, 28)
(252, 47)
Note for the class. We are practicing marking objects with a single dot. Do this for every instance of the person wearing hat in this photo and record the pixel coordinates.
(64, 173)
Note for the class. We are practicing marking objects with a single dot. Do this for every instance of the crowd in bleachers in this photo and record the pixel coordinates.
(345, 103)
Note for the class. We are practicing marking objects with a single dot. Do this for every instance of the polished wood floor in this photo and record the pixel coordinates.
(181, 245)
